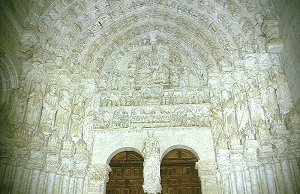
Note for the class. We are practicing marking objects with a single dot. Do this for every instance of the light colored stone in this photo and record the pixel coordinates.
(100, 77)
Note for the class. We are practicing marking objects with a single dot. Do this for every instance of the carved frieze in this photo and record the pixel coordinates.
(153, 116)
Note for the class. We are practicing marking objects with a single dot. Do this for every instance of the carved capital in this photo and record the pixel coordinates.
(98, 177)
(99, 172)
(251, 153)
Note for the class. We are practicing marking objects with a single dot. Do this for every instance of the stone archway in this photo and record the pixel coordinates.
(126, 174)
(178, 173)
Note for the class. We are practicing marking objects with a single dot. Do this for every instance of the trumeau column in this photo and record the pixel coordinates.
(98, 177)
(151, 154)
(207, 172)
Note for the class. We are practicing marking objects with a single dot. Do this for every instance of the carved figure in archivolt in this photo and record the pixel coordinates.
(33, 107)
(17, 107)
(228, 113)
(241, 108)
(77, 115)
(64, 111)
(115, 80)
(50, 104)
(175, 70)
(283, 97)
(131, 74)
(217, 121)
(269, 102)
(255, 105)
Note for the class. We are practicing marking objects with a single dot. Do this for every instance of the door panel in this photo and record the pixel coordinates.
(178, 173)
(127, 174)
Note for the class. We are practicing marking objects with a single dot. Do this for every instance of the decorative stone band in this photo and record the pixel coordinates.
(98, 177)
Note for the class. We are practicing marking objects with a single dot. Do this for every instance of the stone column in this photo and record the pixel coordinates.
(237, 161)
(52, 163)
(287, 176)
(57, 183)
(270, 178)
(65, 183)
(7, 178)
(72, 185)
(17, 179)
(98, 177)
(279, 176)
(25, 182)
(251, 157)
(151, 166)
(207, 172)
(266, 156)
(50, 182)
(42, 181)
(224, 169)
(34, 180)
(296, 174)
(81, 159)
(263, 180)
(79, 185)
(254, 180)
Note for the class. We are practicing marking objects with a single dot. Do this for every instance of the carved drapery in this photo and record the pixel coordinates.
(145, 76)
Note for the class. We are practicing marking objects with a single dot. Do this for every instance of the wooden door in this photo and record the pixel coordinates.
(127, 174)
(178, 173)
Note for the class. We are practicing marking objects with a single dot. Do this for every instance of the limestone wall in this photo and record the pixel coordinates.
(289, 27)
(100, 77)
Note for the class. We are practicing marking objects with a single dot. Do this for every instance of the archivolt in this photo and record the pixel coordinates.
(216, 26)
(8, 77)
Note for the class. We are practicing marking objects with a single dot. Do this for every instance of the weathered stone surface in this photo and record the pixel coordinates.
(100, 77)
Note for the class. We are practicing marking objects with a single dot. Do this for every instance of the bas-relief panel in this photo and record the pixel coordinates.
(152, 86)
(151, 66)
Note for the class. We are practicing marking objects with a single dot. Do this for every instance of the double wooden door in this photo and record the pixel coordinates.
(127, 174)
(178, 173)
